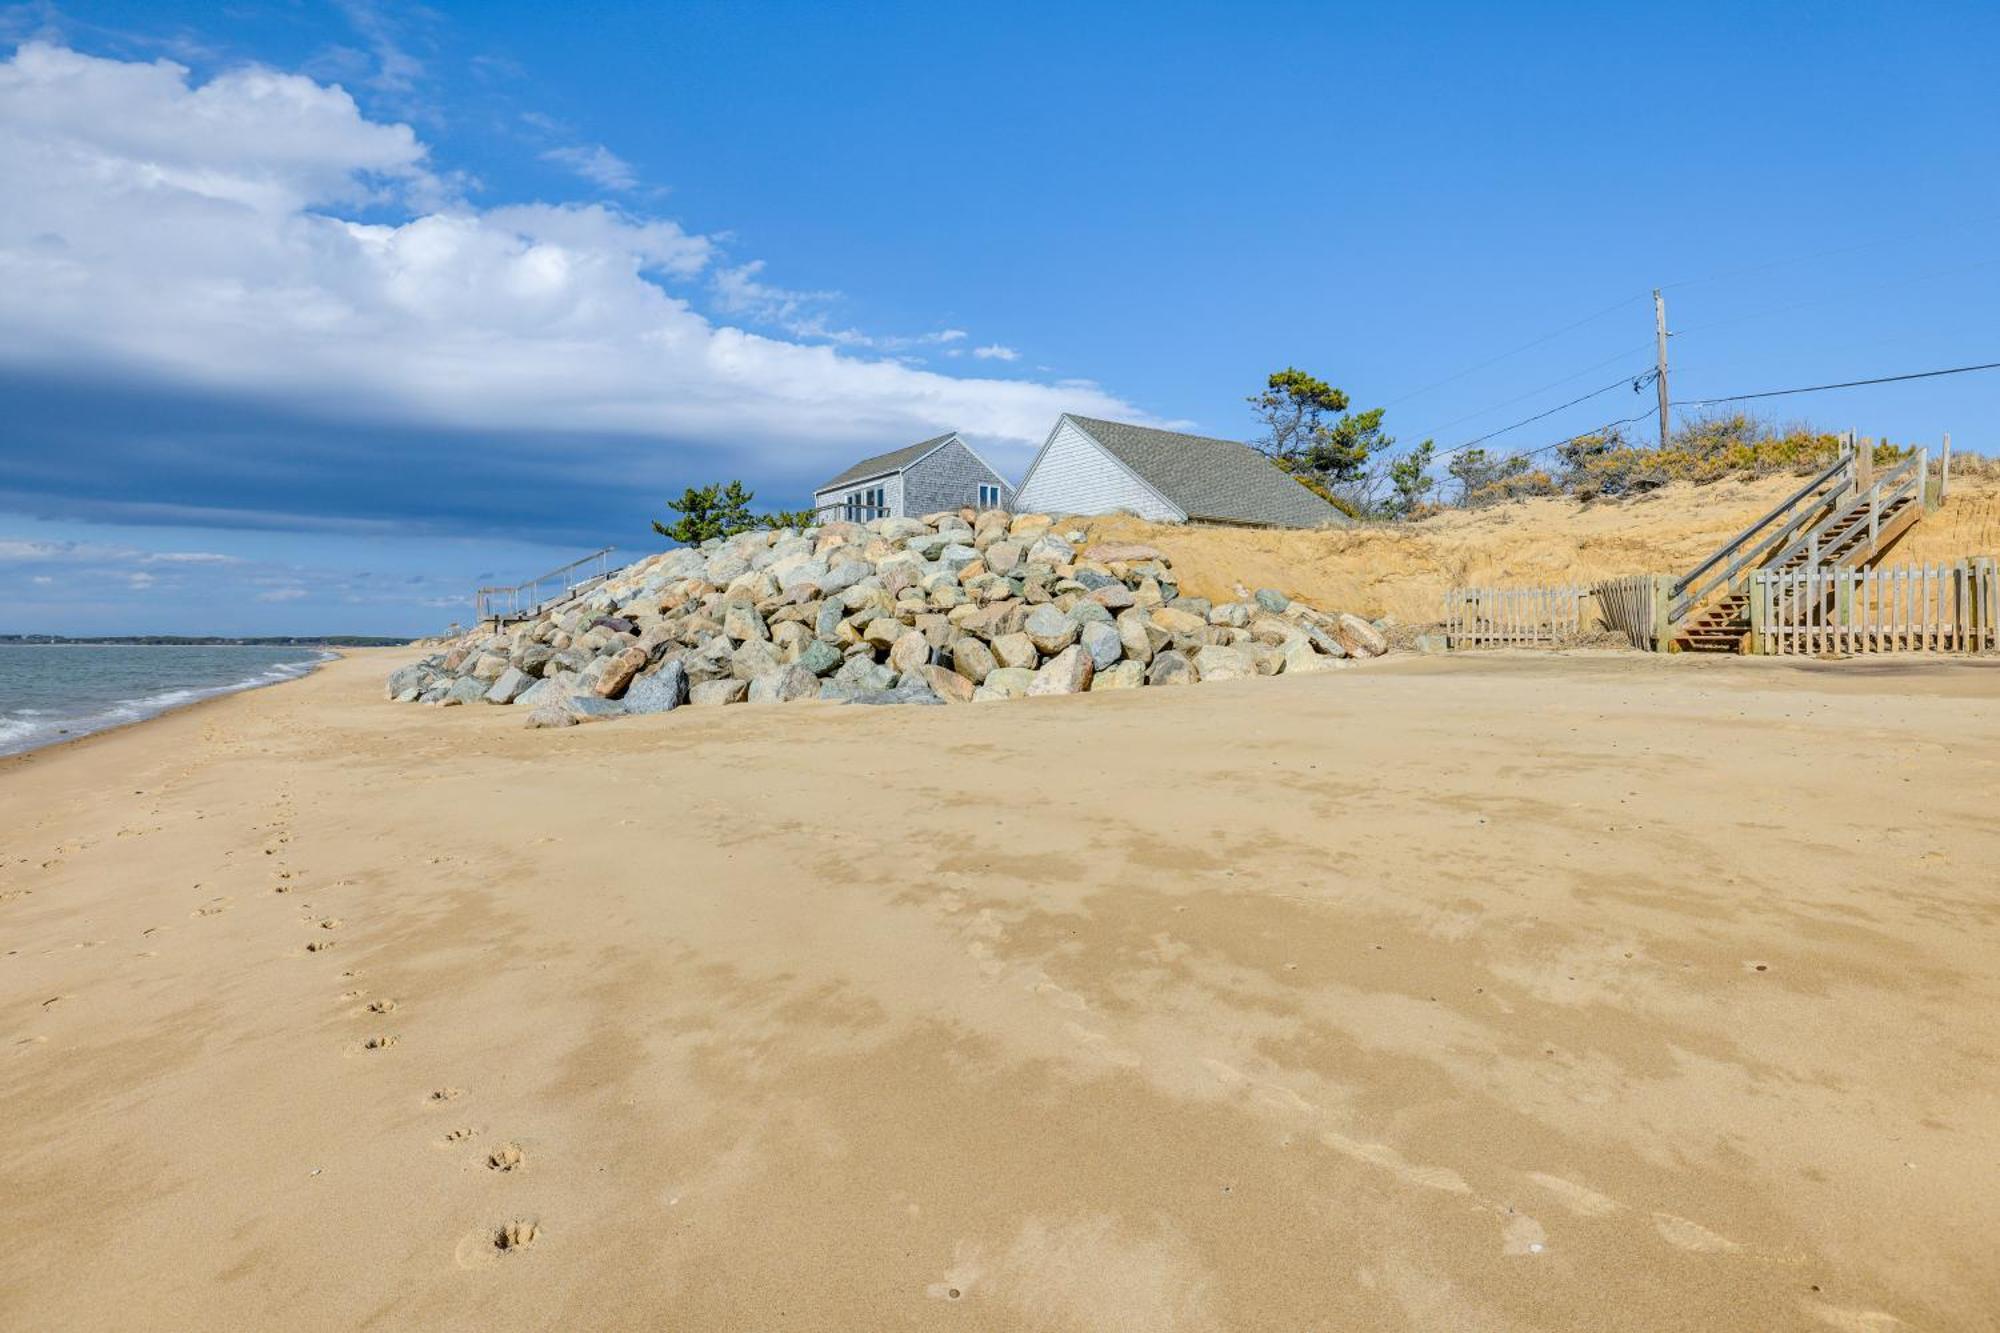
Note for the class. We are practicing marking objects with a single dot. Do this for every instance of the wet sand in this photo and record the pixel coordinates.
(1503, 993)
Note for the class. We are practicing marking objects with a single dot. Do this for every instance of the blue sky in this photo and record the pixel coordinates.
(318, 313)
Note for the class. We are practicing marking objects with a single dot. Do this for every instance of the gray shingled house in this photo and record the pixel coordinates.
(1088, 466)
(926, 477)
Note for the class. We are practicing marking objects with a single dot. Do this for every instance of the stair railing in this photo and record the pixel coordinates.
(1833, 536)
(1807, 503)
(1904, 480)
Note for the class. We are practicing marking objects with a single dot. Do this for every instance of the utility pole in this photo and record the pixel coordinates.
(1660, 374)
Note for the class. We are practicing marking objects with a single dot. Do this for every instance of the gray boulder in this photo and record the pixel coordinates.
(715, 693)
(1170, 668)
(787, 684)
(511, 685)
(659, 691)
(820, 657)
(1101, 641)
(550, 715)
(1272, 600)
(1049, 630)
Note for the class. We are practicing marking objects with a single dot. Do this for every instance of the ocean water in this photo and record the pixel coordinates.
(53, 692)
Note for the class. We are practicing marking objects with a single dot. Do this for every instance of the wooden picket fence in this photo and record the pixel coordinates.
(1513, 617)
(1949, 608)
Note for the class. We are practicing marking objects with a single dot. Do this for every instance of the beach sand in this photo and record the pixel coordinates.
(1490, 993)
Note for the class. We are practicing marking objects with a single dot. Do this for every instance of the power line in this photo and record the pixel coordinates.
(1844, 384)
(1533, 393)
(1636, 382)
(1527, 346)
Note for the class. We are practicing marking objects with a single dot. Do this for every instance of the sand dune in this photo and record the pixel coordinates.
(1444, 994)
(1404, 569)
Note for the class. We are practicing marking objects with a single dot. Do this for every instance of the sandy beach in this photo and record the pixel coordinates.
(1489, 993)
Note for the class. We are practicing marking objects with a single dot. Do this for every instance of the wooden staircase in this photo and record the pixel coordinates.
(1830, 522)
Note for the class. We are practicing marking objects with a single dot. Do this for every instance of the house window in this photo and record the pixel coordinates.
(854, 506)
(989, 496)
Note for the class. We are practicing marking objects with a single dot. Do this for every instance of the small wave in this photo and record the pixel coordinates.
(30, 728)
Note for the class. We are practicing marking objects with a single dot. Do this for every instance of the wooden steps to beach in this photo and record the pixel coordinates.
(1845, 518)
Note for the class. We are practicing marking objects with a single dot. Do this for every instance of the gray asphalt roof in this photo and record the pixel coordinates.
(893, 461)
(1212, 479)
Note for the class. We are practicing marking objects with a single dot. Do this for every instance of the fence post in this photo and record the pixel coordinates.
(1757, 599)
(1663, 628)
(1944, 469)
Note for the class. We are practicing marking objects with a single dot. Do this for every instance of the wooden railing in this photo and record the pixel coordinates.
(1917, 608)
(524, 599)
(842, 512)
(1903, 481)
(1730, 563)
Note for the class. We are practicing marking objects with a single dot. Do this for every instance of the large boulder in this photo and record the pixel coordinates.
(412, 677)
(1121, 676)
(715, 693)
(466, 690)
(1006, 683)
(1219, 663)
(972, 659)
(1170, 668)
(1049, 630)
(787, 684)
(909, 652)
(947, 685)
(1015, 650)
(1360, 638)
(618, 673)
(1068, 672)
(820, 657)
(1101, 641)
(511, 685)
(551, 714)
(658, 691)
(488, 666)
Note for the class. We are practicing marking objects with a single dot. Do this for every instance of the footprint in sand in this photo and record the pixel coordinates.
(330, 923)
(214, 907)
(451, 1138)
(506, 1157)
(440, 1096)
(320, 946)
(380, 1042)
(381, 1006)
(480, 1248)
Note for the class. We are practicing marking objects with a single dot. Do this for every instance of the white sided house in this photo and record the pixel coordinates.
(1103, 467)
(925, 478)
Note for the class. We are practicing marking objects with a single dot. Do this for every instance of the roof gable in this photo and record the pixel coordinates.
(895, 460)
(1208, 478)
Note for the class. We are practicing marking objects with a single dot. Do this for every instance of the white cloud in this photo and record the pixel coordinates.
(212, 236)
(996, 352)
(291, 594)
(188, 558)
(596, 164)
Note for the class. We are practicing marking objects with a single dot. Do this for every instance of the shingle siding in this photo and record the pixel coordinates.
(945, 475)
(950, 479)
(1073, 475)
